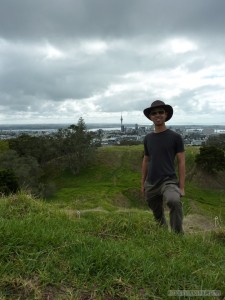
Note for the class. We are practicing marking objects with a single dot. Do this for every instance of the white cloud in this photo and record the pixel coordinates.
(94, 47)
(51, 52)
(182, 45)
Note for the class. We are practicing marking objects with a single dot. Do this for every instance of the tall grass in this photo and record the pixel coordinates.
(96, 239)
(121, 255)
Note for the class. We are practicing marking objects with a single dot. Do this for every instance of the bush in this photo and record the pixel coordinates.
(37, 159)
(217, 141)
(210, 159)
(26, 169)
(8, 182)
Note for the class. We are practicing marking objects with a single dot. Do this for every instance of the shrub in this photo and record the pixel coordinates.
(217, 141)
(8, 182)
(210, 159)
(26, 169)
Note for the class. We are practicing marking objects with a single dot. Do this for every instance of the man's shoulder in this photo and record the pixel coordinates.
(172, 132)
(177, 139)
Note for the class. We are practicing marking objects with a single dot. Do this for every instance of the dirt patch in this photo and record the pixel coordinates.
(196, 223)
(78, 213)
(192, 223)
(197, 220)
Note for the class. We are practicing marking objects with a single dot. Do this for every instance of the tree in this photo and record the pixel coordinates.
(39, 147)
(216, 141)
(4, 146)
(210, 159)
(25, 168)
(74, 147)
(8, 182)
(36, 160)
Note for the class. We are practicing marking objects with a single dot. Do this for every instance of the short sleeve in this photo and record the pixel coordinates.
(179, 144)
(145, 147)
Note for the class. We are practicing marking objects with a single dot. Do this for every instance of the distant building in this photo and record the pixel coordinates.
(197, 142)
(194, 130)
(208, 130)
(219, 131)
(122, 126)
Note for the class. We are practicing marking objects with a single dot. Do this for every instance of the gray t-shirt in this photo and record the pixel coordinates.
(162, 148)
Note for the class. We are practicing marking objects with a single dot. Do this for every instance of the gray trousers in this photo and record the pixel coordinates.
(167, 193)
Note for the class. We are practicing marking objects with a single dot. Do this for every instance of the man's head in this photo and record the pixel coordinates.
(159, 107)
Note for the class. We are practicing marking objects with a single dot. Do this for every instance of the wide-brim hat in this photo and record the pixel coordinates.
(159, 103)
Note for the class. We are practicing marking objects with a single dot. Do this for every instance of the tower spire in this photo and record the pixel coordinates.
(121, 120)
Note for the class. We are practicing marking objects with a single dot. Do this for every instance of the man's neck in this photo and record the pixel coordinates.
(160, 128)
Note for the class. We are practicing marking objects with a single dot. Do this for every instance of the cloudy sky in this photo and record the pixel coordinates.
(65, 59)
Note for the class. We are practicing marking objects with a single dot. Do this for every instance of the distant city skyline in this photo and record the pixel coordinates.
(114, 133)
(116, 122)
(102, 125)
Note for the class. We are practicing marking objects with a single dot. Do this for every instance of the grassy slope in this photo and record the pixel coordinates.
(116, 252)
(112, 181)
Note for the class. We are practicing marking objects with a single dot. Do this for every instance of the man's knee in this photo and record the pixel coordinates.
(155, 206)
(174, 203)
(172, 196)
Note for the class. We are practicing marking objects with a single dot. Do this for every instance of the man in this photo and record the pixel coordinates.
(159, 180)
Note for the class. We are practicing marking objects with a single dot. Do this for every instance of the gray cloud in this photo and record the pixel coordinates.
(71, 19)
(60, 60)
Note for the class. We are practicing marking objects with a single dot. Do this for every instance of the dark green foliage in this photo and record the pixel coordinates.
(69, 148)
(26, 169)
(39, 147)
(4, 146)
(8, 182)
(38, 159)
(73, 147)
(25, 145)
(130, 143)
(217, 141)
(210, 159)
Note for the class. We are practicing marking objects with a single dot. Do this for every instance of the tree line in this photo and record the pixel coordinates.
(31, 162)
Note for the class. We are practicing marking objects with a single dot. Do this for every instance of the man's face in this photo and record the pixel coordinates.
(158, 116)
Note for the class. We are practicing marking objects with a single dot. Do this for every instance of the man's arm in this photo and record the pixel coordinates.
(144, 171)
(181, 171)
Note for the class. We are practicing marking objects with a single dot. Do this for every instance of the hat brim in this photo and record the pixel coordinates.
(167, 108)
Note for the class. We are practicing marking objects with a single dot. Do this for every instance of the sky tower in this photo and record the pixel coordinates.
(122, 126)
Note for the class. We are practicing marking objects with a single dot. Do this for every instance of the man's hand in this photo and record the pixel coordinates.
(142, 195)
(182, 192)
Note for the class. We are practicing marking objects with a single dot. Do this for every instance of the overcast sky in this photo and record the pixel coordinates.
(65, 59)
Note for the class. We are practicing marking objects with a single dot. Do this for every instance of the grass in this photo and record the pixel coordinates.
(112, 180)
(210, 202)
(121, 255)
(112, 249)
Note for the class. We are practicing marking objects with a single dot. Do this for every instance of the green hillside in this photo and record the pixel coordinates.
(111, 183)
(96, 238)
